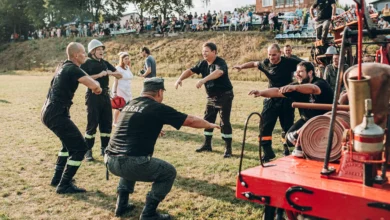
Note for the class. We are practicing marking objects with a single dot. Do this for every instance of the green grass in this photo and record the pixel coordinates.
(205, 184)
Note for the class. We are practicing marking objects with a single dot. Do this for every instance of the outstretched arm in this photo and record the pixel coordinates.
(246, 66)
(214, 75)
(91, 84)
(187, 73)
(268, 93)
(196, 122)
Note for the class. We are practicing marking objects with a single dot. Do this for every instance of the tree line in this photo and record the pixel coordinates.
(22, 16)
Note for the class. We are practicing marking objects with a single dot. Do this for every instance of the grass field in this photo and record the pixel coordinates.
(205, 184)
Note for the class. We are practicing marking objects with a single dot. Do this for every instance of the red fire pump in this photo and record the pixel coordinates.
(356, 186)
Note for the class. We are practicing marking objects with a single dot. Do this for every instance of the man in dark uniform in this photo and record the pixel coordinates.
(99, 112)
(288, 53)
(55, 115)
(279, 71)
(130, 152)
(219, 90)
(309, 89)
(326, 11)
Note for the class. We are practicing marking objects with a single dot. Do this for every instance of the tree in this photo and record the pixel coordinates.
(164, 7)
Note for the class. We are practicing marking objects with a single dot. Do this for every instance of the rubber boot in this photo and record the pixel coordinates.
(206, 145)
(90, 142)
(104, 141)
(279, 214)
(122, 204)
(228, 148)
(150, 211)
(57, 175)
(66, 185)
(88, 156)
(268, 154)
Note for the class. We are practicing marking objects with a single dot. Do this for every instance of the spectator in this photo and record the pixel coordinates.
(271, 21)
(233, 22)
(330, 74)
(326, 10)
(386, 13)
(381, 23)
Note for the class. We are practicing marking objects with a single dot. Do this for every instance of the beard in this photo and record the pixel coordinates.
(305, 80)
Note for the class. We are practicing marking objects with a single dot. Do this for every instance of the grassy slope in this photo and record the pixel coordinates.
(205, 185)
(173, 54)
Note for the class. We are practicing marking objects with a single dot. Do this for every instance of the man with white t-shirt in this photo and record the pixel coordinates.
(233, 22)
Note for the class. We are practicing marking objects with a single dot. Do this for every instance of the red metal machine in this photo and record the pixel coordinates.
(357, 186)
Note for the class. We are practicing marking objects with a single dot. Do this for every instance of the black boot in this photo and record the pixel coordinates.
(90, 142)
(206, 145)
(228, 148)
(149, 212)
(286, 151)
(57, 175)
(104, 143)
(122, 204)
(66, 185)
(88, 156)
(268, 154)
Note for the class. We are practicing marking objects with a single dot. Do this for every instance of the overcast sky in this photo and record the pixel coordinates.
(225, 5)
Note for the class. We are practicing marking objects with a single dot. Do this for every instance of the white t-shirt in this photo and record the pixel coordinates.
(124, 84)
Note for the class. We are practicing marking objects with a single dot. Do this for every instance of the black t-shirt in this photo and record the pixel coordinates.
(216, 86)
(65, 83)
(140, 123)
(93, 67)
(326, 97)
(324, 9)
(279, 74)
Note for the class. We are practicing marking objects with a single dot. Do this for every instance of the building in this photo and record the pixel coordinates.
(379, 4)
(282, 5)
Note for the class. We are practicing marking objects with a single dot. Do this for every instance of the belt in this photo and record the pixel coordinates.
(104, 91)
(220, 93)
(111, 154)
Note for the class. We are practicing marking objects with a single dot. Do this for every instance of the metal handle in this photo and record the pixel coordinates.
(294, 189)
(379, 205)
(251, 196)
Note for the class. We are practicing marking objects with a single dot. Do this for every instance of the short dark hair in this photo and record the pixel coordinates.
(288, 45)
(276, 46)
(211, 45)
(308, 66)
(147, 51)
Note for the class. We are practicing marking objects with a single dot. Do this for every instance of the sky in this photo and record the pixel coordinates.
(224, 5)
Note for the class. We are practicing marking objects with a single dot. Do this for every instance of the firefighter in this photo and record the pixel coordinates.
(55, 115)
(279, 71)
(130, 151)
(219, 90)
(309, 89)
(99, 111)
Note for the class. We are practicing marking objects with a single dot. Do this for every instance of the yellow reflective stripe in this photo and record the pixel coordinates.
(89, 136)
(105, 135)
(207, 133)
(227, 135)
(74, 163)
(63, 154)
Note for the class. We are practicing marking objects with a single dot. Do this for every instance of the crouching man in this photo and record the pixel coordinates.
(309, 89)
(130, 152)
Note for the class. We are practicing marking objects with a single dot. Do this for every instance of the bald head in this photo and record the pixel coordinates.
(73, 48)
(76, 53)
(274, 53)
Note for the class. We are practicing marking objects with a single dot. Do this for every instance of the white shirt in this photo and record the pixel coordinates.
(124, 84)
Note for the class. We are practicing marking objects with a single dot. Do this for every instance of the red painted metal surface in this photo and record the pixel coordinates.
(331, 199)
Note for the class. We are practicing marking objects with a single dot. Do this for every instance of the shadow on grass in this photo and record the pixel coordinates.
(4, 101)
(107, 202)
(204, 188)
(7, 72)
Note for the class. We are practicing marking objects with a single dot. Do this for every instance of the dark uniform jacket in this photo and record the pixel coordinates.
(93, 67)
(140, 124)
(280, 74)
(216, 86)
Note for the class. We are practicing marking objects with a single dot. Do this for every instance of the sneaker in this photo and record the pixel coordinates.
(297, 152)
